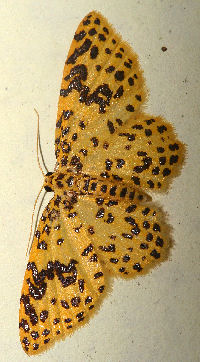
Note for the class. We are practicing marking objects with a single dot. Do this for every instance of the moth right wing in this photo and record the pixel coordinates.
(144, 152)
(102, 81)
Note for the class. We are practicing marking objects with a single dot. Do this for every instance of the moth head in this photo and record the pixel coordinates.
(48, 182)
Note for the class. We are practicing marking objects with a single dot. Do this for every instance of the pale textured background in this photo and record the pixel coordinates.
(149, 319)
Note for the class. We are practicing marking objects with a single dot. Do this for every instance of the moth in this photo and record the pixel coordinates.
(100, 220)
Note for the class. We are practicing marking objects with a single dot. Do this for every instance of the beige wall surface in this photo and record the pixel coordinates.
(150, 319)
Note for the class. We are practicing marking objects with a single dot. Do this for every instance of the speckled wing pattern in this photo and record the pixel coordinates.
(57, 292)
(109, 154)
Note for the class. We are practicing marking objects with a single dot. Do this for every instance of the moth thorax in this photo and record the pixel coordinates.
(48, 186)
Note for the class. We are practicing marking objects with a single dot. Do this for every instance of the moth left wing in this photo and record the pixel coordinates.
(129, 236)
(61, 284)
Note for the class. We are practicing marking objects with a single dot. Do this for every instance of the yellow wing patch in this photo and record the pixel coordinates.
(128, 237)
(100, 218)
(143, 151)
(102, 82)
(61, 283)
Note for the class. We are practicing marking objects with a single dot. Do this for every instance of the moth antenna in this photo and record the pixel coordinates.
(39, 146)
(29, 246)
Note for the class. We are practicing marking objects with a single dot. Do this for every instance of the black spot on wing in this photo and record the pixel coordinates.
(79, 51)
